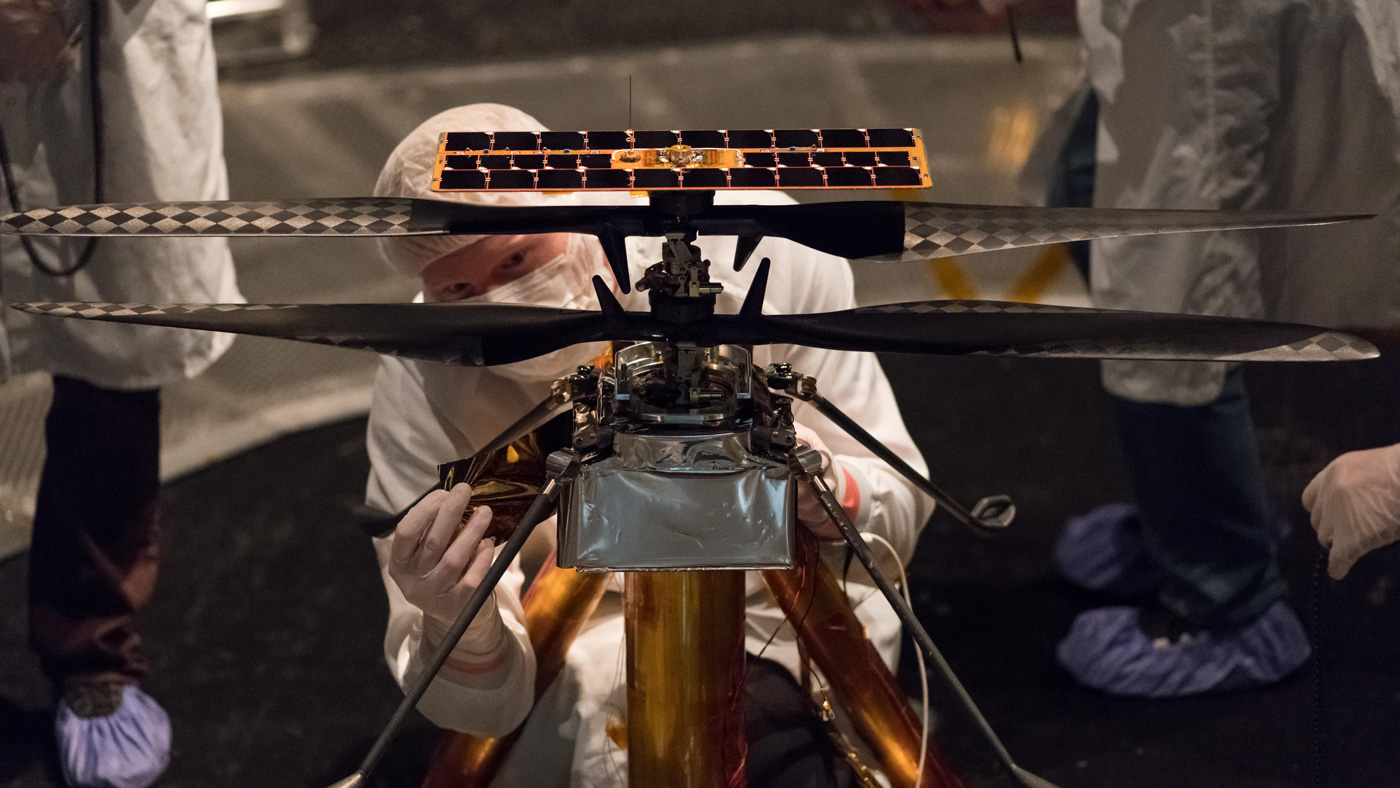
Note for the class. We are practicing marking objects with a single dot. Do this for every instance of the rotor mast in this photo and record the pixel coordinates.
(679, 287)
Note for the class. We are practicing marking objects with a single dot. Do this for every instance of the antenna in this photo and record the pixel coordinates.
(629, 102)
(1010, 27)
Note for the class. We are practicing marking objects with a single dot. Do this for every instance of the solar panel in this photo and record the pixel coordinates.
(691, 159)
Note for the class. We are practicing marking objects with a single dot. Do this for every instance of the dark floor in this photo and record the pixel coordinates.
(266, 629)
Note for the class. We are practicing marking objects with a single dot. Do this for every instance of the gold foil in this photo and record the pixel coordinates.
(834, 638)
(685, 665)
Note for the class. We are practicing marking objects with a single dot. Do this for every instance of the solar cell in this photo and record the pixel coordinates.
(799, 178)
(608, 179)
(843, 138)
(750, 138)
(511, 179)
(561, 179)
(796, 138)
(515, 140)
(705, 179)
(890, 138)
(897, 176)
(752, 179)
(655, 179)
(703, 138)
(656, 139)
(848, 177)
(561, 140)
(607, 140)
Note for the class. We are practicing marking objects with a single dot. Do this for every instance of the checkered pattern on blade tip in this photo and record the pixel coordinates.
(467, 354)
(102, 309)
(350, 216)
(933, 230)
(1326, 346)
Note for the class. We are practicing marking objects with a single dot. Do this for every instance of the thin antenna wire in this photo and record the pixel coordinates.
(629, 102)
(1011, 28)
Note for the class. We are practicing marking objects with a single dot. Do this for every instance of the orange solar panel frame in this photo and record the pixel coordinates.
(693, 160)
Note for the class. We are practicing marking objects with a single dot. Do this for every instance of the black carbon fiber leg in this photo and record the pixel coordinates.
(537, 512)
(961, 730)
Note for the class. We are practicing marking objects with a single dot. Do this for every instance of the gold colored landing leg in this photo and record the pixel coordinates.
(685, 666)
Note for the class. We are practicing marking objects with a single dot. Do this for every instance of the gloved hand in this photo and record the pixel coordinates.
(435, 564)
(34, 47)
(1355, 505)
(809, 508)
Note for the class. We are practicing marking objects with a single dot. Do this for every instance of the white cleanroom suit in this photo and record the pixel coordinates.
(1246, 104)
(94, 553)
(163, 139)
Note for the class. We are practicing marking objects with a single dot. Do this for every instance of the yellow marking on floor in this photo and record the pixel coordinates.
(952, 279)
(1036, 279)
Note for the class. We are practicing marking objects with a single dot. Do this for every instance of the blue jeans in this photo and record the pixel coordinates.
(1196, 471)
(1203, 506)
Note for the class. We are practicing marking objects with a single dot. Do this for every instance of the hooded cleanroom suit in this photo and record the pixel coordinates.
(1229, 104)
(1246, 104)
(424, 415)
(95, 538)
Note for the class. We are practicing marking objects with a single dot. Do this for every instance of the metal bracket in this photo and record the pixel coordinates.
(989, 516)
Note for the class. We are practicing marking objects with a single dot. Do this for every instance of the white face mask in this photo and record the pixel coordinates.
(566, 282)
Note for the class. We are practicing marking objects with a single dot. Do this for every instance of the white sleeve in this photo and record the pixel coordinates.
(487, 686)
(886, 503)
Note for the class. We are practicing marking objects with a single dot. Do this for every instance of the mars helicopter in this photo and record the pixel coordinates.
(681, 383)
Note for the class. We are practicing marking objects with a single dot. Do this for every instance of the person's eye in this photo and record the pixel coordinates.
(514, 261)
(458, 290)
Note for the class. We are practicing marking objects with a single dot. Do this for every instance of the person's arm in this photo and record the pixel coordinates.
(35, 44)
(879, 500)
(1355, 505)
(486, 688)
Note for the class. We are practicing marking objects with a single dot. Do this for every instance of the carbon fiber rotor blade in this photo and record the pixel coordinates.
(460, 334)
(349, 216)
(911, 231)
(995, 328)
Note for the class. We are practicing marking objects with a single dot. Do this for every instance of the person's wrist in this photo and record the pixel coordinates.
(485, 627)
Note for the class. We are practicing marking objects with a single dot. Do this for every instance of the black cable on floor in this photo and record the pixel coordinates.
(1318, 716)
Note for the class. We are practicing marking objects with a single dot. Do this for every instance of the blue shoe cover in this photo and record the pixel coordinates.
(128, 748)
(1105, 649)
(1098, 551)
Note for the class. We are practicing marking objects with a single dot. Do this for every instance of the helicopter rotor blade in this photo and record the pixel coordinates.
(488, 334)
(889, 231)
(995, 328)
(458, 334)
(349, 216)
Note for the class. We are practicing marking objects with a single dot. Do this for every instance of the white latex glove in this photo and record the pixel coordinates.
(34, 47)
(809, 508)
(1355, 505)
(436, 567)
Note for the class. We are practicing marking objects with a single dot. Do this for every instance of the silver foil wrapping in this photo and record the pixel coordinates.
(679, 502)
